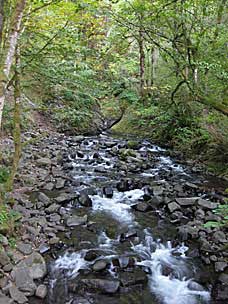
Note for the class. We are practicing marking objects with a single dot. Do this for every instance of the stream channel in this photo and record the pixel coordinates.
(121, 246)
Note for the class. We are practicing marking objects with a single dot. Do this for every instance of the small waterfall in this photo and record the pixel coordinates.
(172, 287)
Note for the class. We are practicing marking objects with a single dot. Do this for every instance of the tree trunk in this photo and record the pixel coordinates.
(17, 121)
(1, 20)
(10, 53)
(141, 63)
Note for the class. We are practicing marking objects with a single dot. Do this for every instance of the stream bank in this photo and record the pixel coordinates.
(110, 220)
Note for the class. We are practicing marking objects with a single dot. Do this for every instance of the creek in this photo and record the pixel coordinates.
(121, 247)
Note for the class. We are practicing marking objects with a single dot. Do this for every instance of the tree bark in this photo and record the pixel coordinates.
(10, 53)
(141, 63)
(17, 121)
(1, 20)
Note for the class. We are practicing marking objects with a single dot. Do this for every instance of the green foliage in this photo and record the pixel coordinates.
(8, 220)
(4, 174)
(222, 211)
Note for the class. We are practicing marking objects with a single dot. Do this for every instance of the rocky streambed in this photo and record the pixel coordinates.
(109, 220)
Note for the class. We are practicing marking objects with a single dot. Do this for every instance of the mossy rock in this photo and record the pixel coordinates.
(132, 144)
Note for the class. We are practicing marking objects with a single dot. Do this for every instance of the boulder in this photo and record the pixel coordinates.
(85, 200)
(206, 204)
(101, 285)
(142, 207)
(99, 265)
(173, 207)
(34, 264)
(24, 281)
(24, 248)
(75, 220)
(108, 192)
(186, 201)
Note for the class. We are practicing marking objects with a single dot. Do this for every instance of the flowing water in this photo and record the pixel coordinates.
(127, 240)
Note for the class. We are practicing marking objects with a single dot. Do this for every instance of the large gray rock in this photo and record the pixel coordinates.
(24, 281)
(186, 201)
(101, 285)
(76, 220)
(100, 265)
(24, 248)
(206, 204)
(35, 264)
(173, 207)
(17, 295)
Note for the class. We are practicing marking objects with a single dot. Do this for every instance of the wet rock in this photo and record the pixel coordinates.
(142, 207)
(173, 207)
(24, 248)
(44, 248)
(137, 276)
(41, 291)
(122, 186)
(189, 201)
(101, 285)
(85, 200)
(220, 266)
(206, 204)
(76, 220)
(195, 286)
(17, 295)
(108, 192)
(4, 259)
(91, 255)
(99, 265)
(81, 301)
